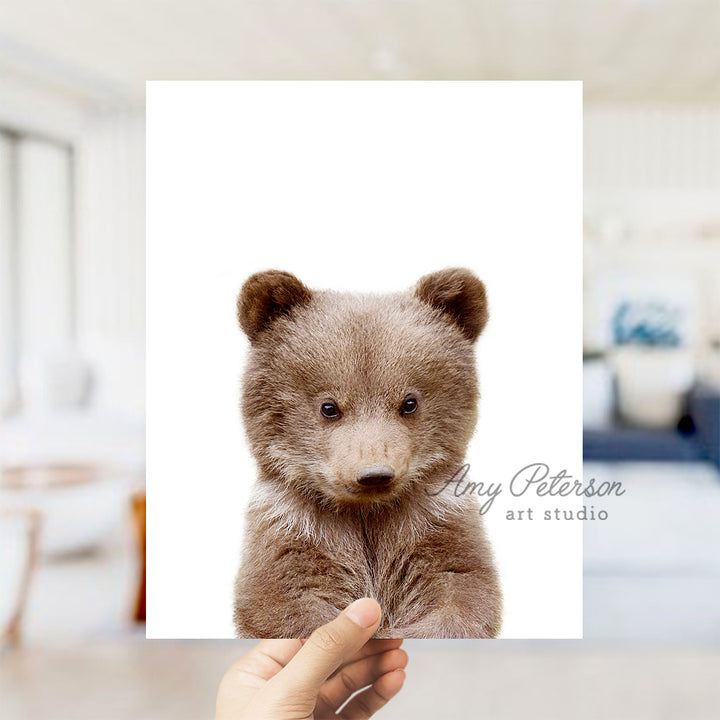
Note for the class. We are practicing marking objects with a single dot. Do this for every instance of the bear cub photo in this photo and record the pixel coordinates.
(359, 409)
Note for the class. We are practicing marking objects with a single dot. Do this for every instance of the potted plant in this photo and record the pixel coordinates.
(653, 363)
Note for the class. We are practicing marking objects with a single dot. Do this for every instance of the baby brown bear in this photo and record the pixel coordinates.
(359, 409)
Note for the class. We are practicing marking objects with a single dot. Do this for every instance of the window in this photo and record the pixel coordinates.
(37, 267)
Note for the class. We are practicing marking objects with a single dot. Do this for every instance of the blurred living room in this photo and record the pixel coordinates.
(72, 340)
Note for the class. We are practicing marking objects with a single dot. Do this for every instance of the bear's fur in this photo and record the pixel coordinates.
(400, 372)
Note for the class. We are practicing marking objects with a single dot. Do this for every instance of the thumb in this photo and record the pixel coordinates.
(327, 649)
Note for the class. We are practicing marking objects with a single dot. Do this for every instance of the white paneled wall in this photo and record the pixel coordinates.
(656, 147)
(655, 169)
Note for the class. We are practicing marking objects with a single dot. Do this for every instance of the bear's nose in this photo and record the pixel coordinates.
(375, 475)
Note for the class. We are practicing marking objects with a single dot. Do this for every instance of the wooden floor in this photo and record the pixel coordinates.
(158, 680)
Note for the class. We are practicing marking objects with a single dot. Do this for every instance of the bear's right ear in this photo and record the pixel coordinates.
(265, 297)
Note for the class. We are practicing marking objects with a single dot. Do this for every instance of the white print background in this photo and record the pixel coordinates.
(363, 187)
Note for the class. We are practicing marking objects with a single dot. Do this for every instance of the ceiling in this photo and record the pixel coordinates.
(624, 50)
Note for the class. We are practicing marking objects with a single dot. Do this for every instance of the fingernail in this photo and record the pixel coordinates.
(363, 612)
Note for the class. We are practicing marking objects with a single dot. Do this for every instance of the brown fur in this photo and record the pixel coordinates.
(316, 540)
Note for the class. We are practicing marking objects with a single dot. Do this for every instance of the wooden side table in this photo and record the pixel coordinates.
(138, 511)
(20, 530)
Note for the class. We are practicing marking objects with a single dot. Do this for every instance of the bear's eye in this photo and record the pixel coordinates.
(409, 405)
(330, 410)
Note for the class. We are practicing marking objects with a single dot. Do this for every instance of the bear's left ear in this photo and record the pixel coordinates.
(460, 295)
(265, 297)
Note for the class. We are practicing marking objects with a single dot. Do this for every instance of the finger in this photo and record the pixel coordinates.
(374, 647)
(245, 677)
(281, 652)
(351, 678)
(369, 701)
(327, 649)
(355, 676)
(264, 661)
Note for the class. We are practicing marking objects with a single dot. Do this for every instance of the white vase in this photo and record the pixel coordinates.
(652, 383)
(597, 394)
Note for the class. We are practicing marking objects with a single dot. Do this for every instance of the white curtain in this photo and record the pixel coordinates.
(36, 256)
(111, 257)
(8, 341)
(45, 266)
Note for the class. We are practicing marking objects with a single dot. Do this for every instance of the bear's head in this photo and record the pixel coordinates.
(360, 400)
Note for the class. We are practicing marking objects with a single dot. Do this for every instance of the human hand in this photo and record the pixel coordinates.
(311, 679)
